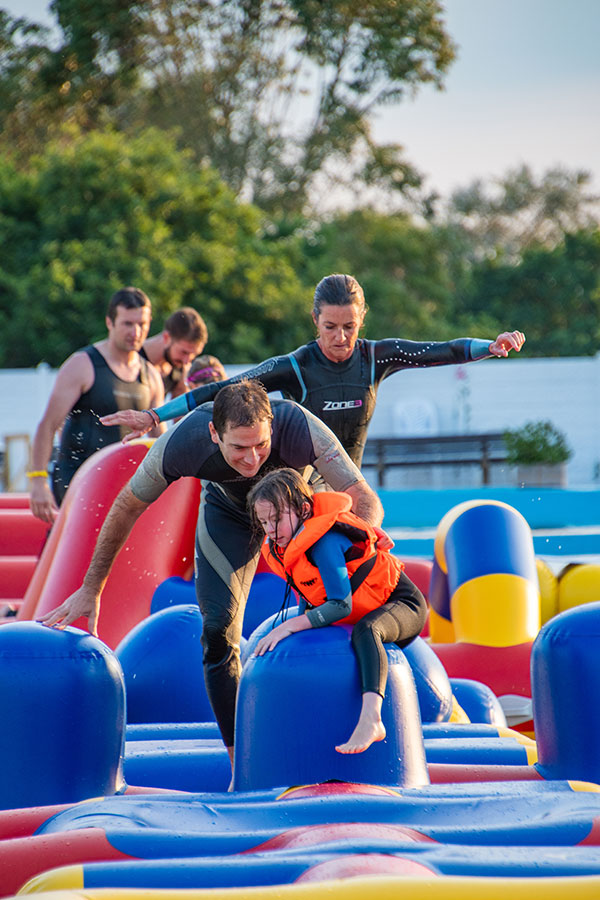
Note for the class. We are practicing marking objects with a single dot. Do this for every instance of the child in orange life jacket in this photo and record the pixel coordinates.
(330, 556)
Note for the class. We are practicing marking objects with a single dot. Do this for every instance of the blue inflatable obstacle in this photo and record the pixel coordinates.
(566, 677)
(501, 814)
(434, 691)
(162, 664)
(161, 689)
(189, 755)
(484, 586)
(478, 701)
(63, 716)
(297, 701)
(265, 598)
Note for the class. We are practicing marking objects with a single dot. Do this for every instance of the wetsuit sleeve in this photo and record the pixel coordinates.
(275, 374)
(393, 354)
(148, 481)
(328, 556)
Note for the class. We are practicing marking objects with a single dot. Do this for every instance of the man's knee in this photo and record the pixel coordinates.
(217, 641)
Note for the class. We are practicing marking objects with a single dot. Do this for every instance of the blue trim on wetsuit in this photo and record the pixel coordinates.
(177, 407)
(479, 349)
(327, 554)
(298, 374)
(371, 345)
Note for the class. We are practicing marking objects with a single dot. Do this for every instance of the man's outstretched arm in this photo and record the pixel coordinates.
(117, 527)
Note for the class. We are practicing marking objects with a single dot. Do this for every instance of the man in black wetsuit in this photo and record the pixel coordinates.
(171, 352)
(89, 384)
(336, 376)
(230, 445)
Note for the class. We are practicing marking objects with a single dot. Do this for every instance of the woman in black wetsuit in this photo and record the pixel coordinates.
(337, 375)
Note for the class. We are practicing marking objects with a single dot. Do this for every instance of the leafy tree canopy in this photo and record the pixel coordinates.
(553, 295)
(402, 268)
(102, 211)
(272, 93)
(519, 211)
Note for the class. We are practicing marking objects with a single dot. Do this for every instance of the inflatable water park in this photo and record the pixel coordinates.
(114, 781)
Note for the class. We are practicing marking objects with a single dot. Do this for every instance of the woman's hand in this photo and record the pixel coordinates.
(508, 340)
(139, 421)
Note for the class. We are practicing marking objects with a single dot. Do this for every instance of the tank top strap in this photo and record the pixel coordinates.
(144, 376)
(96, 357)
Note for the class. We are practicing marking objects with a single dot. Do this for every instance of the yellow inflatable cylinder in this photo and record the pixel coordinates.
(579, 584)
(548, 583)
(491, 596)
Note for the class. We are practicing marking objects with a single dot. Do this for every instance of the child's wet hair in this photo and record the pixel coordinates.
(284, 489)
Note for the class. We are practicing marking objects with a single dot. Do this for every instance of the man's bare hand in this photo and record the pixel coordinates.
(140, 422)
(384, 541)
(41, 501)
(84, 602)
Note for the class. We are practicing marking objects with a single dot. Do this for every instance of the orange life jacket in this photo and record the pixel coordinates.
(373, 573)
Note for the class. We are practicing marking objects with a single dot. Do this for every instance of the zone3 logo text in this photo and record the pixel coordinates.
(341, 404)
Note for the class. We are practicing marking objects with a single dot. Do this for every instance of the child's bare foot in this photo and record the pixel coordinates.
(365, 734)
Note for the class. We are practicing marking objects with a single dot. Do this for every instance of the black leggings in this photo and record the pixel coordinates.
(398, 621)
(227, 552)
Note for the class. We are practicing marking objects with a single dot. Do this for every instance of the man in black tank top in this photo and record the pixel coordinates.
(90, 383)
(172, 351)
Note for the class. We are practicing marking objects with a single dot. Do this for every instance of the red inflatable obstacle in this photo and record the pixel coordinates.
(161, 543)
(14, 500)
(22, 538)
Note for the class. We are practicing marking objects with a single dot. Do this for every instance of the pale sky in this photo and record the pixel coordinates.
(524, 89)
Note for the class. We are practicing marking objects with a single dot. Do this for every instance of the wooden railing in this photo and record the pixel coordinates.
(442, 450)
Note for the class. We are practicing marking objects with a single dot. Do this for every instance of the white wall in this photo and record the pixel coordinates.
(485, 396)
(495, 394)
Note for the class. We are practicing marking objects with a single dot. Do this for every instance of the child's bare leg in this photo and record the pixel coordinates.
(369, 727)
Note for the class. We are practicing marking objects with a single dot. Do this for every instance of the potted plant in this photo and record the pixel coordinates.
(540, 451)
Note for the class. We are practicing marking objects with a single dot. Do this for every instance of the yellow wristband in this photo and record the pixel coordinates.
(41, 473)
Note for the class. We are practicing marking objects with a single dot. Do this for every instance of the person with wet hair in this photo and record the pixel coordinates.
(205, 369)
(229, 445)
(332, 559)
(336, 376)
(183, 337)
(90, 383)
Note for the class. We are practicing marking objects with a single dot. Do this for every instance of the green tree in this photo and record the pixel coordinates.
(553, 295)
(519, 211)
(24, 56)
(277, 95)
(402, 268)
(101, 211)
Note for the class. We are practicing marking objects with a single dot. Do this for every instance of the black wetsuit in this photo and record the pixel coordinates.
(227, 548)
(82, 432)
(341, 394)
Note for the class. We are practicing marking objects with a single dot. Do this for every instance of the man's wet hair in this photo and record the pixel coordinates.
(242, 404)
